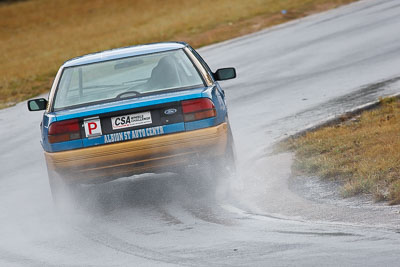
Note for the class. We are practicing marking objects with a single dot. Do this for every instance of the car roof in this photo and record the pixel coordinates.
(123, 52)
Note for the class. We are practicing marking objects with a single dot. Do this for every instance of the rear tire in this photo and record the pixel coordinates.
(224, 170)
(63, 193)
(226, 166)
(214, 175)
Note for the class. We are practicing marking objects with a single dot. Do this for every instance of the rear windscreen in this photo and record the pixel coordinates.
(122, 78)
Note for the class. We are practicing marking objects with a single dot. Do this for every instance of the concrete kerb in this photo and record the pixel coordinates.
(335, 119)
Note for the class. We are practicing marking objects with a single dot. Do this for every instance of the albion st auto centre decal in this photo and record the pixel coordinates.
(93, 128)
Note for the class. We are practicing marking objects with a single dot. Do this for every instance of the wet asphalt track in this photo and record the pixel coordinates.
(290, 77)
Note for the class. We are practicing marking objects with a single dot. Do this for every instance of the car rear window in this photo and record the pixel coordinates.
(127, 77)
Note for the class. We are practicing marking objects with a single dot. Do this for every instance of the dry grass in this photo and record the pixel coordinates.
(363, 153)
(37, 36)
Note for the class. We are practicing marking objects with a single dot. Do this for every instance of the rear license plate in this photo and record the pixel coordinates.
(131, 120)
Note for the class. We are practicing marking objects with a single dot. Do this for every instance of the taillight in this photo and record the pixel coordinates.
(62, 131)
(198, 109)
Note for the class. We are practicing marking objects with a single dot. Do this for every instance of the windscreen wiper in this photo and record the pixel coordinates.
(128, 93)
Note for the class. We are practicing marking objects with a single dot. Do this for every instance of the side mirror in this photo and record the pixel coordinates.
(225, 74)
(37, 104)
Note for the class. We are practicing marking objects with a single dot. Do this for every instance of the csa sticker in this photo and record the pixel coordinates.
(92, 127)
(131, 120)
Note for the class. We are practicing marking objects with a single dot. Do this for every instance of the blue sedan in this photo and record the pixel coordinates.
(141, 109)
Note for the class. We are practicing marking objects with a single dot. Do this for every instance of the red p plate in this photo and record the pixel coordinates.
(92, 127)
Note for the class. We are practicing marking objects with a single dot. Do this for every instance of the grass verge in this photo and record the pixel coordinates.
(37, 36)
(362, 153)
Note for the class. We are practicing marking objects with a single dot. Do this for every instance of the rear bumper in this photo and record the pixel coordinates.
(155, 154)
